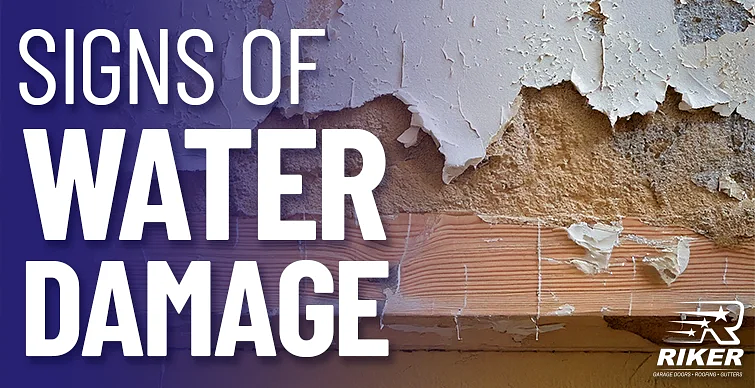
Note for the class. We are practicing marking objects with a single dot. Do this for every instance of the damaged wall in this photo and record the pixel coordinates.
(528, 93)
(558, 160)
(462, 70)
(568, 112)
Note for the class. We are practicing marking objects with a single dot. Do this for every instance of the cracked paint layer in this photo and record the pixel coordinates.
(670, 259)
(460, 70)
(459, 67)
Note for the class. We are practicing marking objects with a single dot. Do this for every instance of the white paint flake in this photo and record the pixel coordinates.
(671, 257)
(563, 310)
(598, 242)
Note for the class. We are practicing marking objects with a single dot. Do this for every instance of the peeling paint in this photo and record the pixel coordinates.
(621, 55)
(409, 137)
(564, 310)
(598, 242)
(459, 70)
(672, 256)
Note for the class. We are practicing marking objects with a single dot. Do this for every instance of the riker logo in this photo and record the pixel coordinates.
(700, 323)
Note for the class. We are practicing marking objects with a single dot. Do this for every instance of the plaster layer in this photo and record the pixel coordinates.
(558, 161)
(703, 20)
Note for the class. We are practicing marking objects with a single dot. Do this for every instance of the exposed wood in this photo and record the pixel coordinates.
(459, 265)
(467, 284)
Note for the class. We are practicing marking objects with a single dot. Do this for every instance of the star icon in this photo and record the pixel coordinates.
(703, 323)
(689, 333)
(721, 314)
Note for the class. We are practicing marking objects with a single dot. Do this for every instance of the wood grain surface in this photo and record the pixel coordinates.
(460, 265)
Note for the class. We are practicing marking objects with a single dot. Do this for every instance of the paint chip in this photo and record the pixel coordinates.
(598, 242)
(672, 261)
(564, 310)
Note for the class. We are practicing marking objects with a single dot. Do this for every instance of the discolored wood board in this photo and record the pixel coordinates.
(458, 282)
(460, 265)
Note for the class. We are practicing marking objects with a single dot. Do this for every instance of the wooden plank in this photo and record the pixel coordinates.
(496, 333)
(459, 265)
(466, 284)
